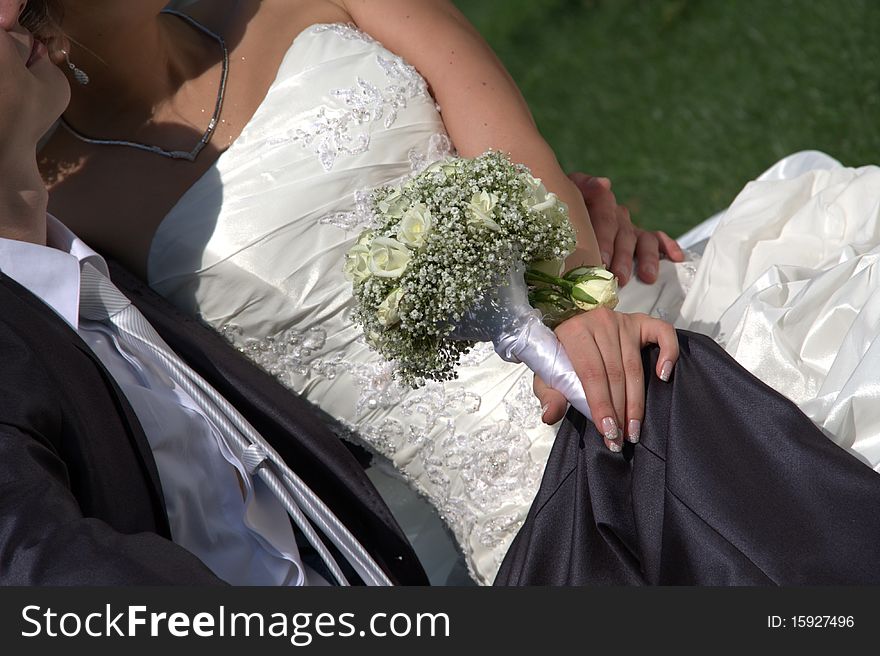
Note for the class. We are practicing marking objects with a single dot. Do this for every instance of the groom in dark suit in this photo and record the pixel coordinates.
(80, 497)
(112, 469)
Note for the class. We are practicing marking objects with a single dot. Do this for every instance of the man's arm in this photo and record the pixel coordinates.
(46, 540)
(51, 461)
(622, 244)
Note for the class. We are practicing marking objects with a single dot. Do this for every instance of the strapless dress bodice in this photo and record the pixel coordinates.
(256, 247)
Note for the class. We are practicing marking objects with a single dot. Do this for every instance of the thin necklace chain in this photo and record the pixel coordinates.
(206, 137)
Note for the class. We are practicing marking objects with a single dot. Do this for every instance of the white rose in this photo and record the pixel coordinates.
(375, 339)
(481, 207)
(549, 202)
(538, 198)
(388, 257)
(357, 260)
(598, 288)
(393, 204)
(415, 226)
(531, 181)
(388, 312)
(446, 166)
(357, 263)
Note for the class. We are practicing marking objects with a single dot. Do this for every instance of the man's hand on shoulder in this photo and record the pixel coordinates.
(620, 242)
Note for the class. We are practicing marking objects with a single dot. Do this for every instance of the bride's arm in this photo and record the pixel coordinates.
(481, 105)
(483, 109)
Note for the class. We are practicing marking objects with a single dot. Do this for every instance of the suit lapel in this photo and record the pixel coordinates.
(65, 334)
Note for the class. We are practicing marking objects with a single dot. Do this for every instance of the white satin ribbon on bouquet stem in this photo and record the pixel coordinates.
(515, 328)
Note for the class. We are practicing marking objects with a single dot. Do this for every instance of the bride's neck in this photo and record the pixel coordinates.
(136, 73)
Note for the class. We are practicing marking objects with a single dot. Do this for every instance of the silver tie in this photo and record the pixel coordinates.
(101, 301)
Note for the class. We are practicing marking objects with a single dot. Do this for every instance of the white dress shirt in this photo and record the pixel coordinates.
(216, 510)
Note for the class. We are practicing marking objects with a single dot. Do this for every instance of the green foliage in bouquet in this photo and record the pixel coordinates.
(581, 289)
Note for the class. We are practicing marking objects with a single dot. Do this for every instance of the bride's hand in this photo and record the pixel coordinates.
(605, 348)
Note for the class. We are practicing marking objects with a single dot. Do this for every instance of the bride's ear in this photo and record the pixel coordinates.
(58, 46)
(43, 19)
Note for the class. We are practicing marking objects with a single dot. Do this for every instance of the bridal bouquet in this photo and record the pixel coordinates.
(444, 267)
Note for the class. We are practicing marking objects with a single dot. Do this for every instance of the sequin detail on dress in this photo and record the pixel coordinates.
(345, 130)
(470, 477)
(287, 354)
(355, 219)
(473, 478)
(438, 147)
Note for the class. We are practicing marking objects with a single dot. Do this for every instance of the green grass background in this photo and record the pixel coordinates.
(680, 102)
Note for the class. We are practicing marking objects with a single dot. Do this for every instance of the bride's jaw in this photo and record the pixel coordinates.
(38, 51)
(36, 92)
(52, 92)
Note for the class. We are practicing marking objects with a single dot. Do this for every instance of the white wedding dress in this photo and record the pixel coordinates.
(789, 285)
(256, 248)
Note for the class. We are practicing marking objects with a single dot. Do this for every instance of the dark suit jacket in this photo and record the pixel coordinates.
(730, 484)
(80, 498)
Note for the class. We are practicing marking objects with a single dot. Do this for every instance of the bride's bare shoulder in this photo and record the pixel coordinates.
(277, 19)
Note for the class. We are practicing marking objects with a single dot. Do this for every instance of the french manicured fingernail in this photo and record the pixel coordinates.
(614, 447)
(634, 430)
(666, 371)
(606, 258)
(609, 429)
